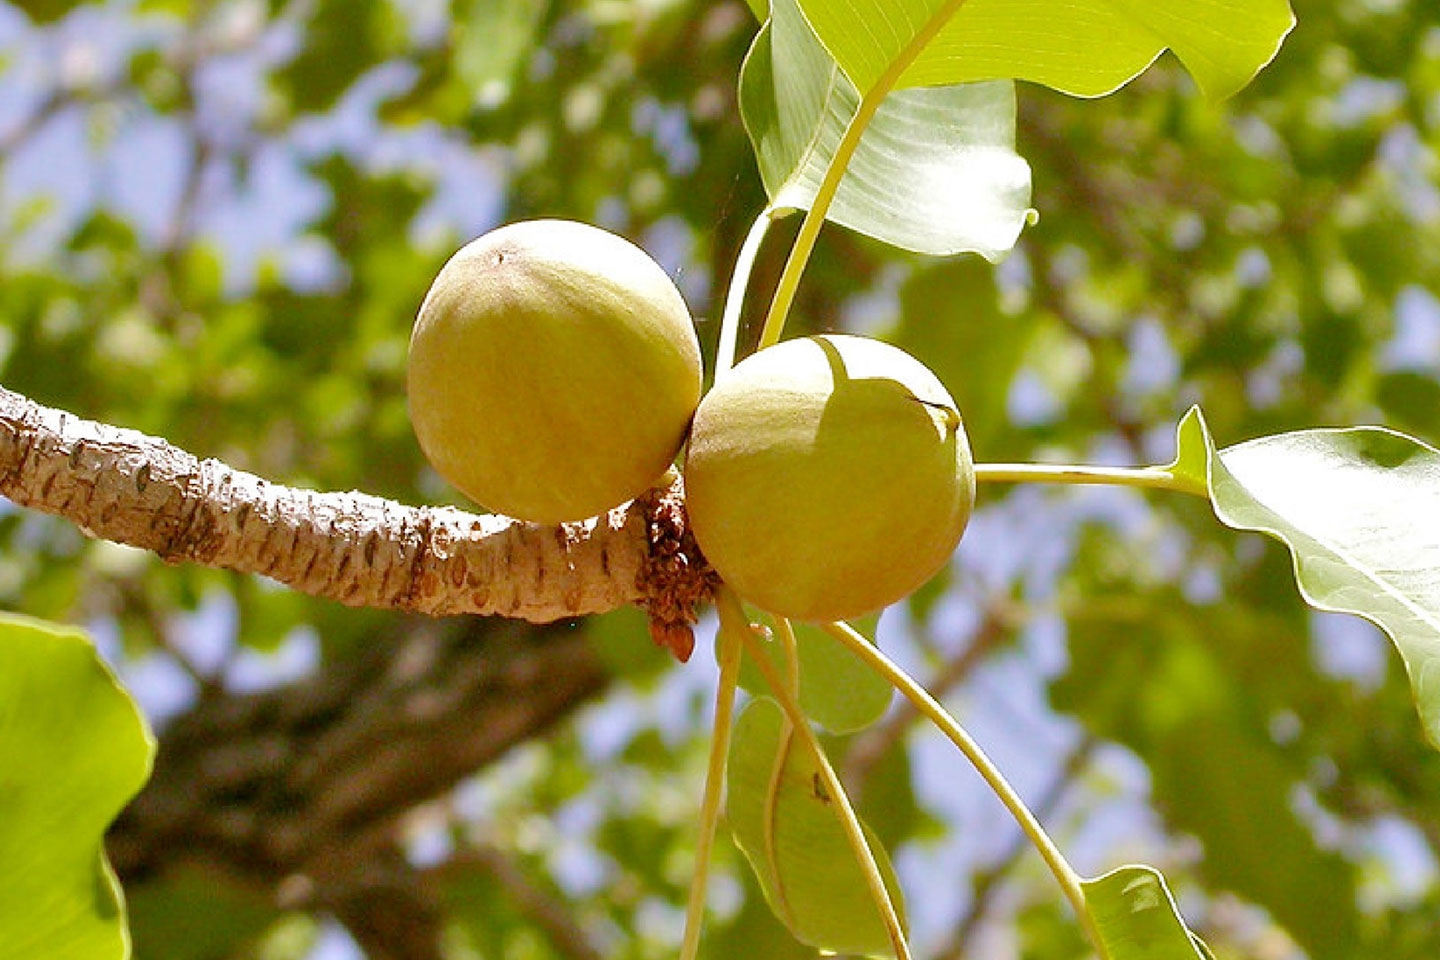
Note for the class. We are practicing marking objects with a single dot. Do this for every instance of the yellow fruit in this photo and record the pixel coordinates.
(553, 371)
(828, 477)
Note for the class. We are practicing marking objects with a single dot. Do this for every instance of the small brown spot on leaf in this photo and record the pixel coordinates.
(817, 787)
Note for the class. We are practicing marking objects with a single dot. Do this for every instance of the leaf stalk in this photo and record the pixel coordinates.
(1064, 874)
(1156, 478)
(735, 293)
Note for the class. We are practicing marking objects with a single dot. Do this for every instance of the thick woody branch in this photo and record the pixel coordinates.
(124, 486)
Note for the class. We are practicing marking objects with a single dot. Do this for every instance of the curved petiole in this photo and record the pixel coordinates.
(735, 293)
(929, 707)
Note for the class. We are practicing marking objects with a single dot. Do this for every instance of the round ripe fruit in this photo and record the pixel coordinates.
(828, 477)
(553, 371)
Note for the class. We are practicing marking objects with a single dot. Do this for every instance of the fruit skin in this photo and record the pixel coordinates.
(553, 371)
(828, 477)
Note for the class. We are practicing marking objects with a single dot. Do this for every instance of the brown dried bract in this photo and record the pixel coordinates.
(675, 578)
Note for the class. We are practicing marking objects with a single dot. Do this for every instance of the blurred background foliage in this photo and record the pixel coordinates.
(217, 218)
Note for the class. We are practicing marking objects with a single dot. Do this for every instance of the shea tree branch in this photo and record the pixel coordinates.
(124, 486)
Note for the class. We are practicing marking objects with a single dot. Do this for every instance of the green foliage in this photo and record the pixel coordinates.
(935, 172)
(44, 11)
(1137, 917)
(949, 312)
(191, 914)
(783, 819)
(1353, 507)
(75, 751)
(837, 691)
(1172, 688)
(493, 39)
(1086, 49)
(343, 39)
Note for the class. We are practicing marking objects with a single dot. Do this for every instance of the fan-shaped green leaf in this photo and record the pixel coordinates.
(73, 751)
(837, 690)
(781, 817)
(935, 172)
(1360, 511)
(1137, 918)
(1082, 47)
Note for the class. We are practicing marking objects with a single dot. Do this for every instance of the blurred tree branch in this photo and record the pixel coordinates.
(299, 790)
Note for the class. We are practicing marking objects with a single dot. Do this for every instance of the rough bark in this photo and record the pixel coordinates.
(124, 486)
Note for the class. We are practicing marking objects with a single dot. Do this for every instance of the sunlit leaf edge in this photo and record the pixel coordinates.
(1421, 665)
(979, 41)
(1126, 918)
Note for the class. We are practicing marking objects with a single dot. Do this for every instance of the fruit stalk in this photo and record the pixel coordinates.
(728, 651)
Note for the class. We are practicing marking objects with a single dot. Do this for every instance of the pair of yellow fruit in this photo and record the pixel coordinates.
(554, 373)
